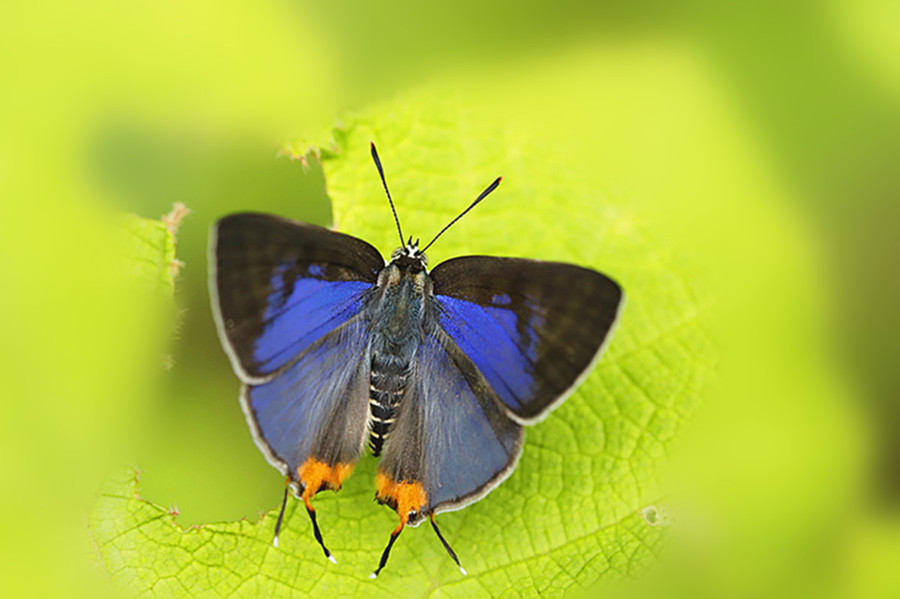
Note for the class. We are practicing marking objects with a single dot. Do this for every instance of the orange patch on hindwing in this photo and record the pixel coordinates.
(316, 475)
(404, 496)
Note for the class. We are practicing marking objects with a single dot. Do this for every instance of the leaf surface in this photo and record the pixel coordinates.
(583, 505)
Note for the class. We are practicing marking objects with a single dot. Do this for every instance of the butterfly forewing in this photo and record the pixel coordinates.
(278, 286)
(532, 328)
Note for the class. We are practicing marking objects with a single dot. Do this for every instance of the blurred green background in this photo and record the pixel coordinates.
(111, 108)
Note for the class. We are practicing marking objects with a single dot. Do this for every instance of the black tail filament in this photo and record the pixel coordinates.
(396, 533)
(387, 551)
(312, 516)
(446, 545)
(281, 513)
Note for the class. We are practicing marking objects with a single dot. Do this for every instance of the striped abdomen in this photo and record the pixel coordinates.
(387, 383)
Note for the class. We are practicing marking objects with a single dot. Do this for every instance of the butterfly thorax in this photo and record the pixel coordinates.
(397, 313)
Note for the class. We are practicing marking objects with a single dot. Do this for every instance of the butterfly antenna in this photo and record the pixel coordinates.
(480, 197)
(446, 545)
(281, 514)
(312, 516)
(387, 552)
(384, 182)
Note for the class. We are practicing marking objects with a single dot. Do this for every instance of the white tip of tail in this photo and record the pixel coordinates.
(373, 576)
(332, 559)
(463, 571)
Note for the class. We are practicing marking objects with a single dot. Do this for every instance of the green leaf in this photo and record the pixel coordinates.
(151, 246)
(583, 505)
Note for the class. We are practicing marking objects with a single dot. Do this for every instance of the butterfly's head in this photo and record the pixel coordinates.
(410, 257)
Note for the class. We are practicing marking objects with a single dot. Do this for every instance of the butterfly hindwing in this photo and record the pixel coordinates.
(316, 408)
(451, 436)
(532, 328)
(278, 286)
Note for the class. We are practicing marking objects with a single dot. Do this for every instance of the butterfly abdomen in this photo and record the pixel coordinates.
(387, 383)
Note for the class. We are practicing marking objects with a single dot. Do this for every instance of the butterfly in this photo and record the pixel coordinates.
(436, 371)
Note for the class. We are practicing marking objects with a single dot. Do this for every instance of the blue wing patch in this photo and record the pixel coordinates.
(300, 310)
(503, 347)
